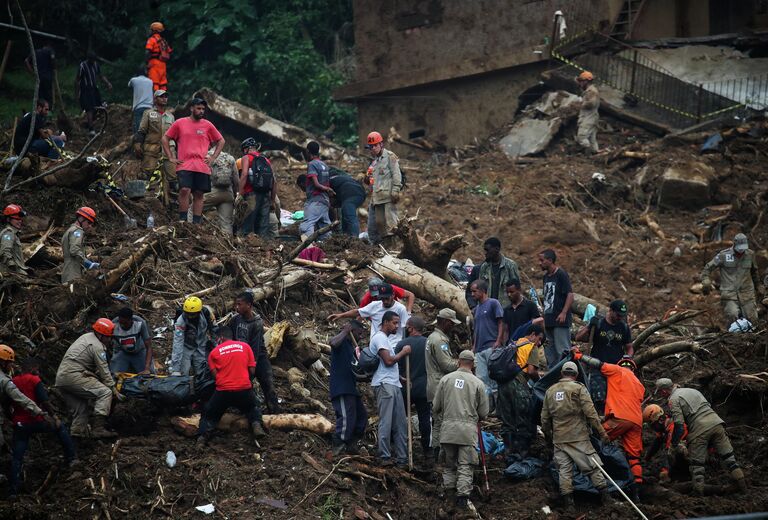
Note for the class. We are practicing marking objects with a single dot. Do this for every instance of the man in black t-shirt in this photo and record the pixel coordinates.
(418, 342)
(520, 310)
(611, 341)
(558, 298)
(349, 196)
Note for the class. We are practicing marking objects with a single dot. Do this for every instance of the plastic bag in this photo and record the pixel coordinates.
(493, 445)
(614, 463)
(526, 469)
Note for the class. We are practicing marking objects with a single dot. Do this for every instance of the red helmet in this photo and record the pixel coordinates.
(374, 138)
(628, 362)
(103, 326)
(14, 210)
(87, 213)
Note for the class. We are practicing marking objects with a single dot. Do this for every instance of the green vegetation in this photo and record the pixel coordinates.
(331, 508)
(282, 57)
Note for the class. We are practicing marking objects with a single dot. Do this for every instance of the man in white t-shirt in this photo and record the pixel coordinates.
(387, 389)
(376, 309)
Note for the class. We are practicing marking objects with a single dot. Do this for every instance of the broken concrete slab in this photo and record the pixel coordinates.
(686, 186)
(555, 103)
(271, 132)
(530, 136)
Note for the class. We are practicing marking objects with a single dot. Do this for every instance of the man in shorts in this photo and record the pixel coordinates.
(194, 136)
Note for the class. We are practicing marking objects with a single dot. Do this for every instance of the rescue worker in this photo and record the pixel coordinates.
(258, 186)
(158, 53)
(623, 410)
(11, 258)
(566, 416)
(9, 391)
(386, 181)
(514, 399)
(233, 365)
(192, 331)
(147, 142)
(84, 381)
(586, 134)
(439, 362)
(75, 261)
(688, 407)
(26, 425)
(738, 280)
(461, 401)
(497, 270)
(225, 183)
(319, 192)
(248, 327)
(663, 428)
(132, 344)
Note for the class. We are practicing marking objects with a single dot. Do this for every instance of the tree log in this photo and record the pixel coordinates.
(653, 353)
(431, 255)
(289, 279)
(148, 244)
(675, 318)
(76, 175)
(230, 422)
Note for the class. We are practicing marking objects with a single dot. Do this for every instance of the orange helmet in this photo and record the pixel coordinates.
(628, 362)
(374, 138)
(103, 326)
(7, 353)
(652, 412)
(14, 210)
(87, 213)
(586, 76)
(157, 27)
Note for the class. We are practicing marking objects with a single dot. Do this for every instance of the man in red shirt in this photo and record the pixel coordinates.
(233, 365)
(194, 136)
(25, 424)
(398, 292)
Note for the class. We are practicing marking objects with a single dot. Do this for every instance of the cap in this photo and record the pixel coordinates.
(198, 101)
(619, 306)
(740, 243)
(570, 368)
(661, 383)
(160, 92)
(467, 355)
(448, 314)
(385, 290)
(374, 281)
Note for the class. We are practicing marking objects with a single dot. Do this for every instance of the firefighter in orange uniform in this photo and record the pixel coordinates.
(158, 54)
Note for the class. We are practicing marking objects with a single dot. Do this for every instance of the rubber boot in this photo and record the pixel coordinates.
(258, 431)
(738, 477)
(634, 492)
(99, 430)
(605, 497)
(698, 487)
(568, 503)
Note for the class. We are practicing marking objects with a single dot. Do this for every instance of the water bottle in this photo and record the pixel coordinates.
(170, 459)
(150, 221)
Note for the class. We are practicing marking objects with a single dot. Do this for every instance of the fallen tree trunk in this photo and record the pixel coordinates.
(77, 175)
(431, 255)
(422, 283)
(230, 422)
(148, 244)
(675, 318)
(653, 353)
(289, 279)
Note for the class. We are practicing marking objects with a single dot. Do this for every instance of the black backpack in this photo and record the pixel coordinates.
(502, 364)
(366, 364)
(260, 174)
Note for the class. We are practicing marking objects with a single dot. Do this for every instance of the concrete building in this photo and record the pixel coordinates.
(452, 71)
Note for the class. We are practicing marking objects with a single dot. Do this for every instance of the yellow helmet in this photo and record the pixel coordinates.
(6, 353)
(652, 412)
(193, 304)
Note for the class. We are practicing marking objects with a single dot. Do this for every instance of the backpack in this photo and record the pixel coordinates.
(221, 170)
(366, 364)
(260, 174)
(502, 364)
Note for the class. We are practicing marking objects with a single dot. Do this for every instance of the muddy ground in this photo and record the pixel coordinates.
(549, 201)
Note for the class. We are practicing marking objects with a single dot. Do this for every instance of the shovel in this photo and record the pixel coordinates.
(129, 222)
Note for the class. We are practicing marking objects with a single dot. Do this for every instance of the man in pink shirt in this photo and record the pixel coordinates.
(194, 136)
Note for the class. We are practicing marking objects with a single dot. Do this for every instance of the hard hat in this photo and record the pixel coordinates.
(193, 304)
(248, 143)
(652, 412)
(87, 213)
(586, 76)
(374, 138)
(103, 326)
(628, 362)
(14, 210)
(157, 27)
(6, 353)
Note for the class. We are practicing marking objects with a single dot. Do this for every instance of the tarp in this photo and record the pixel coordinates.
(614, 463)
(167, 390)
(526, 469)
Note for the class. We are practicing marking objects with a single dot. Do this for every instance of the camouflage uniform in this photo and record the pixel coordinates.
(11, 258)
(152, 128)
(222, 196)
(382, 211)
(439, 362)
(74, 254)
(83, 377)
(736, 282)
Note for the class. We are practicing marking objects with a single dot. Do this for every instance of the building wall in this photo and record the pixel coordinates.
(452, 113)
